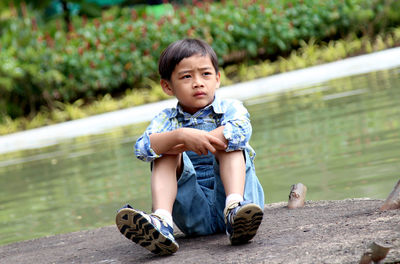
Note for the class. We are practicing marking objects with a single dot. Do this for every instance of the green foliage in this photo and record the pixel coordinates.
(42, 65)
(311, 54)
(308, 55)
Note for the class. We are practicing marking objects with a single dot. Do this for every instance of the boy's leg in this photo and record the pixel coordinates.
(154, 231)
(242, 218)
(164, 181)
(232, 168)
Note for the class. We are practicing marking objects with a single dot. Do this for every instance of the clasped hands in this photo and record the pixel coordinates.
(184, 139)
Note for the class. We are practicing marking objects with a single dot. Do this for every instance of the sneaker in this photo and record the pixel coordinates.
(242, 220)
(149, 231)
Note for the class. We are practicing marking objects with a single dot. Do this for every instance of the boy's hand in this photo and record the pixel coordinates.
(183, 139)
(200, 141)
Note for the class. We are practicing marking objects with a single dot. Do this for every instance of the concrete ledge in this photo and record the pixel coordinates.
(321, 232)
(54, 134)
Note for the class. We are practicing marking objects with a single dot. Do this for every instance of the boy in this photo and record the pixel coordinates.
(203, 176)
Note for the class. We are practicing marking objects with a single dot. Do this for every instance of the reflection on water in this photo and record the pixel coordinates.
(341, 139)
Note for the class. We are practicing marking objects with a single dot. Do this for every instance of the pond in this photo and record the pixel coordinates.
(340, 138)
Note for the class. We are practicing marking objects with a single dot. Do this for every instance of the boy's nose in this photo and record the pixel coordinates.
(197, 82)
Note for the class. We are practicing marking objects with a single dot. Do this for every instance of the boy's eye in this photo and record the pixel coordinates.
(207, 73)
(185, 76)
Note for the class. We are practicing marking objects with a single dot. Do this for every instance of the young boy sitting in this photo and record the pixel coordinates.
(203, 175)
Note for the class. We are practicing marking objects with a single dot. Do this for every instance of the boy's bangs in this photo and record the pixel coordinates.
(180, 50)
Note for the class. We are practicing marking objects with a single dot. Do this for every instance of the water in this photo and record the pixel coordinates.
(340, 138)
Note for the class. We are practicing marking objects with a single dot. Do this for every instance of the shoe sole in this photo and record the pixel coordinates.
(134, 226)
(246, 224)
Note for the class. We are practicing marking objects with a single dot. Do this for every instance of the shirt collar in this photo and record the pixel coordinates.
(216, 105)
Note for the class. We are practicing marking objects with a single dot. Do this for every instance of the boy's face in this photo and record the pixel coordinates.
(193, 83)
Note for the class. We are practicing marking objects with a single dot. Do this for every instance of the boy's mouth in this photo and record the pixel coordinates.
(199, 94)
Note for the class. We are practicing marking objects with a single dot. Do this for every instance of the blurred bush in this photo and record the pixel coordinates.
(41, 63)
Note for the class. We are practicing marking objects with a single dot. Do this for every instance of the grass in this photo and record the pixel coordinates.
(309, 54)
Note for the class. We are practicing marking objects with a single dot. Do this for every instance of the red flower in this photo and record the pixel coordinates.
(49, 40)
(109, 30)
(34, 24)
(190, 32)
(97, 43)
(24, 10)
(155, 46)
(161, 21)
(84, 20)
(198, 4)
(71, 27)
(183, 19)
(134, 15)
(207, 7)
(96, 23)
(144, 31)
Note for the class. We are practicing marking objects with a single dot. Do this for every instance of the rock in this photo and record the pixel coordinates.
(319, 232)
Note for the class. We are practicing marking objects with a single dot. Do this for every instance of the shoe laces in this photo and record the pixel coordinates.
(160, 220)
(228, 209)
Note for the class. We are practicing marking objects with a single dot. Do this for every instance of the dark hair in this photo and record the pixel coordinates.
(180, 50)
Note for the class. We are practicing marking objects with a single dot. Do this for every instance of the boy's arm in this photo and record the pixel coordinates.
(234, 132)
(182, 139)
(219, 133)
(235, 125)
(162, 142)
(160, 123)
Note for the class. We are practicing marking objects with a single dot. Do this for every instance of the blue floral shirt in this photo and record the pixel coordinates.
(221, 112)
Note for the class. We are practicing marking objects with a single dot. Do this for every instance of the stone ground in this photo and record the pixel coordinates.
(320, 232)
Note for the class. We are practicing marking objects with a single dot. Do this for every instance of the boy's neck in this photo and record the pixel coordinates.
(180, 108)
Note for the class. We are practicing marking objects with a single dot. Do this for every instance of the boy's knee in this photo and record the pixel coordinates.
(169, 161)
(167, 158)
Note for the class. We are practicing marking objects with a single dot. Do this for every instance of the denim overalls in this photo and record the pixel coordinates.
(200, 202)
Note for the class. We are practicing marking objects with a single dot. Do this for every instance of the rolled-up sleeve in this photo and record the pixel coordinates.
(237, 131)
(143, 150)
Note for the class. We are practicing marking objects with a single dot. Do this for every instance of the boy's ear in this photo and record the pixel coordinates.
(218, 79)
(167, 87)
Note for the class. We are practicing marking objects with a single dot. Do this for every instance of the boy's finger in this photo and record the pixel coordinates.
(212, 149)
(197, 151)
(203, 151)
(220, 146)
(218, 142)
